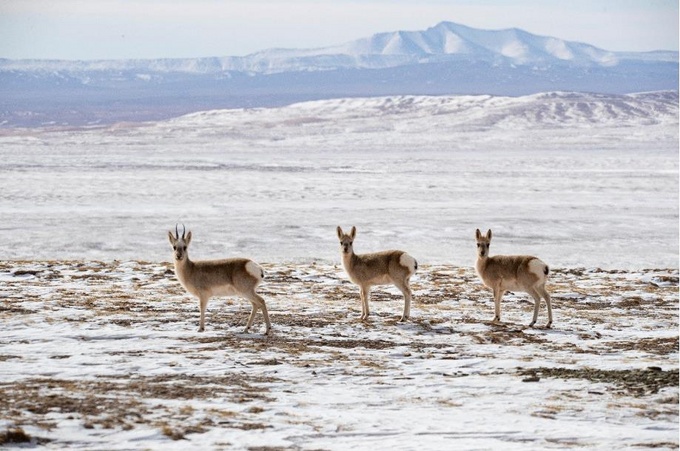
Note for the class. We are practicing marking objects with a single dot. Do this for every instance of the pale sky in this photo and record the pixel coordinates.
(116, 29)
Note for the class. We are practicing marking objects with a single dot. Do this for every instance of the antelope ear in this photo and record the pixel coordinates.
(339, 230)
(187, 239)
(171, 237)
(478, 234)
(353, 233)
(488, 235)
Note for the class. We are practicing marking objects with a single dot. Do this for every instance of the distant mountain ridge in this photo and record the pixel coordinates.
(449, 41)
(446, 59)
(446, 41)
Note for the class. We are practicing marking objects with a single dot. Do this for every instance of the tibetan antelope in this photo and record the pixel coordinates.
(380, 268)
(208, 278)
(504, 273)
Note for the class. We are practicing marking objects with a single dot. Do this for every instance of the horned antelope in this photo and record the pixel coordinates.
(208, 278)
(502, 273)
(380, 268)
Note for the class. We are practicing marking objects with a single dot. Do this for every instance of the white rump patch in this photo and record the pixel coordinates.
(254, 270)
(408, 262)
(537, 267)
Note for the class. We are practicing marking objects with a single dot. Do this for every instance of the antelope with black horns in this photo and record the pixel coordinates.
(208, 278)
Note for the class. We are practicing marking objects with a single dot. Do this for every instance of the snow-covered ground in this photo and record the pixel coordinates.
(107, 356)
(99, 348)
(581, 179)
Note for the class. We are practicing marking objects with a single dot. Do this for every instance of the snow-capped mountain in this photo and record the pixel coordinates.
(446, 41)
(445, 59)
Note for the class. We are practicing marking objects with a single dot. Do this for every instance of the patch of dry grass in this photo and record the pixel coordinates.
(315, 326)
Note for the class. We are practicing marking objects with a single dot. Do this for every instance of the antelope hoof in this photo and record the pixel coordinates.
(201, 329)
(549, 325)
(403, 319)
(267, 332)
(532, 324)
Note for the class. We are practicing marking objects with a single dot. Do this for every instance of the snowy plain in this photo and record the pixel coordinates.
(99, 348)
(581, 179)
(106, 356)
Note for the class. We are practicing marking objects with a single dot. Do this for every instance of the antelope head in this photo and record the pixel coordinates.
(346, 240)
(180, 244)
(483, 243)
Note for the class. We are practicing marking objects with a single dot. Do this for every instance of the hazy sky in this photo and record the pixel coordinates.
(113, 29)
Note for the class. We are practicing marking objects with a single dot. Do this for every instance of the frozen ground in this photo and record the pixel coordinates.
(107, 356)
(99, 348)
(581, 179)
